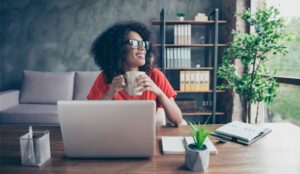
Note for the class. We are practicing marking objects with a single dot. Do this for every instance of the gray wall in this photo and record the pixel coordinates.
(55, 35)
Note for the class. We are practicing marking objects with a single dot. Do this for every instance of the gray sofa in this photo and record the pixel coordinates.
(35, 102)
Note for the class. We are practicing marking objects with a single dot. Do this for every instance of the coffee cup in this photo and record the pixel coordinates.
(131, 85)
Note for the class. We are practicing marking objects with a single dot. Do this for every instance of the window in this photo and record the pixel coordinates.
(289, 64)
(286, 106)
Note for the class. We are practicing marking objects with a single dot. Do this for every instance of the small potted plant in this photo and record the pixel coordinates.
(197, 154)
(180, 15)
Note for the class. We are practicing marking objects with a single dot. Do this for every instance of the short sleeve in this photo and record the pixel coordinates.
(162, 82)
(98, 89)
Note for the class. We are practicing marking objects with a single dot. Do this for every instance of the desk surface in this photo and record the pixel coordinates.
(277, 152)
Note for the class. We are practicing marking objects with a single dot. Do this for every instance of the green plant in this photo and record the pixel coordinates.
(180, 14)
(256, 83)
(199, 134)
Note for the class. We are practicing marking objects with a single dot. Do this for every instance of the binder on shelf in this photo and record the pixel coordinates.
(189, 34)
(182, 81)
(206, 81)
(201, 86)
(179, 57)
(240, 132)
(193, 80)
(183, 57)
(168, 57)
(186, 34)
(175, 58)
(189, 58)
(180, 34)
(187, 81)
(171, 57)
(175, 34)
(198, 87)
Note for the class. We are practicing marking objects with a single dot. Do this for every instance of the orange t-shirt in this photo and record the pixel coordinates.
(100, 87)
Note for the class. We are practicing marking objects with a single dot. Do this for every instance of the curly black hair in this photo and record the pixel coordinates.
(109, 48)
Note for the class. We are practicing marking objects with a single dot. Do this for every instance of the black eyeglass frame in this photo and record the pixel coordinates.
(135, 44)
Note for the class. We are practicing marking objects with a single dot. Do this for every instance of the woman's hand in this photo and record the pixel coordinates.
(146, 83)
(172, 110)
(117, 84)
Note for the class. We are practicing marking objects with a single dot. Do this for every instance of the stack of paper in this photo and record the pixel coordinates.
(174, 144)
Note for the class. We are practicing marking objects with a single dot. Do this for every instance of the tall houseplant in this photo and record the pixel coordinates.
(256, 83)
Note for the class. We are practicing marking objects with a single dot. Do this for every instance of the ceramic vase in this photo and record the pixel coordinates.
(195, 159)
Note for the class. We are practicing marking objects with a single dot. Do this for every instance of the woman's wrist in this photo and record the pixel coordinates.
(160, 94)
(108, 95)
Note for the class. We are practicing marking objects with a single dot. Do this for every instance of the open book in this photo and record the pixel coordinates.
(174, 144)
(241, 132)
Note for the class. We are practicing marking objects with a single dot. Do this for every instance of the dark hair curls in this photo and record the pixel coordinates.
(109, 50)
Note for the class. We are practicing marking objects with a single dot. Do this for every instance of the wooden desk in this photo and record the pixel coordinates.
(278, 152)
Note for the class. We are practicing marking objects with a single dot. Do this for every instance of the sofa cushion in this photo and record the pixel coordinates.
(83, 83)
(46, 87)
(30, 113)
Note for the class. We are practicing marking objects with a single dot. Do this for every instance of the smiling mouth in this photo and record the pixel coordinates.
(141, 56)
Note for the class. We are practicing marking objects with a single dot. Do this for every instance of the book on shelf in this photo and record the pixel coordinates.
(174, 144)
(240, 132)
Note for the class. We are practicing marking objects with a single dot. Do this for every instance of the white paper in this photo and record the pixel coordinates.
(174, 144)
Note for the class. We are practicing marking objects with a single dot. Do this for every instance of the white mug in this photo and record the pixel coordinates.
(131, 86)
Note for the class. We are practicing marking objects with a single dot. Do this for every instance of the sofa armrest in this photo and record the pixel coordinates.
(9, 98)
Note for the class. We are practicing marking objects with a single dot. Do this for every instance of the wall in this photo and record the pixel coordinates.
(55, 35)
(230, 101)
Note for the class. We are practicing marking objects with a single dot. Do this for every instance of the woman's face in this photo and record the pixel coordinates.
(136, 52)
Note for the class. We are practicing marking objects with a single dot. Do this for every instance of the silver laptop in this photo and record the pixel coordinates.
(100, 129)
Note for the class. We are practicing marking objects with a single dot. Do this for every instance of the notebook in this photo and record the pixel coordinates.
(241, 132)
(174, 144)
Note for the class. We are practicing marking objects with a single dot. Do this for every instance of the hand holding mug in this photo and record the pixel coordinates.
(146, 83)
(117, 84)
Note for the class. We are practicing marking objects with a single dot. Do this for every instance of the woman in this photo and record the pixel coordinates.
(127, 47)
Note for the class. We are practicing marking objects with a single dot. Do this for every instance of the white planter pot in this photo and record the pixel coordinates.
(195, 159)
(181, 18)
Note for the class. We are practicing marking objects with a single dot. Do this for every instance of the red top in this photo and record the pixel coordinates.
(100, 87)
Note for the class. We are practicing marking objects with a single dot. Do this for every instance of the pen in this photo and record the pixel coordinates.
(184, 143)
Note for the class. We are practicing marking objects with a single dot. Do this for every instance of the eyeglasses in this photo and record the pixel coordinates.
(134, 44)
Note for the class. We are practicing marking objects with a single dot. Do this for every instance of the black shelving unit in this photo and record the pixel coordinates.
(212, 63)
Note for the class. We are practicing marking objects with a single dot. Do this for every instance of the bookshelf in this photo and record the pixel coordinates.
(212, 46)
(190, 45)
(172, 22)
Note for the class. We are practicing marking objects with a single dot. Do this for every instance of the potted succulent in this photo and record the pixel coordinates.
(197, 154)
(180, 16)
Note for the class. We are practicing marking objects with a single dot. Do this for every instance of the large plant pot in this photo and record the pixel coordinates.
(195, 159)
